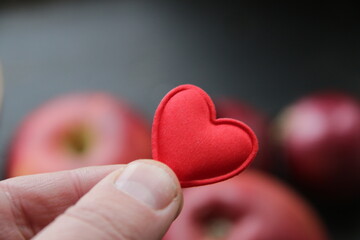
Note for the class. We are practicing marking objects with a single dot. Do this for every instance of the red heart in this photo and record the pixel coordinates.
(198, 147)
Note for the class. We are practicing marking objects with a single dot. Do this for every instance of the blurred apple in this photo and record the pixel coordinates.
(250, 206)
(78, 130)
(320, 139)
(254, 118)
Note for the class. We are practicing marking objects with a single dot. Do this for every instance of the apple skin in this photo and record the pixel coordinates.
(257, 121)
(78, 130)
(251, 206)
(320, 141)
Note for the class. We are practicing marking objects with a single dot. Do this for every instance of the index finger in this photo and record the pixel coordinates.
(29, 203)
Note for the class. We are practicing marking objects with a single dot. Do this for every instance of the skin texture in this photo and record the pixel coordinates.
(251, 206)
(85, 204)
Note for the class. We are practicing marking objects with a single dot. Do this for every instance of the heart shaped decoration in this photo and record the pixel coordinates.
(199, 148)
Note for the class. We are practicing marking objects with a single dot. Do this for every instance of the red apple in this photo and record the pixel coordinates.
(78, 130)
(254, 118)
(320, 138)
(251, 206)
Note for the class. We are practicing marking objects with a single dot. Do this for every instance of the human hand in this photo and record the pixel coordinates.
(134, 201)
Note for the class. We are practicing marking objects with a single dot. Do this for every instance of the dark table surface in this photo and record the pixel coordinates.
(264, 54)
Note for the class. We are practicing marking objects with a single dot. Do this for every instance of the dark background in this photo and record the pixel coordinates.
(266, 54)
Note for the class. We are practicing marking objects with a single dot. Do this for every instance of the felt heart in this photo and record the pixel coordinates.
(199, 148)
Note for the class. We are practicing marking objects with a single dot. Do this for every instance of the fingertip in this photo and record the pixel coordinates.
(150, 182)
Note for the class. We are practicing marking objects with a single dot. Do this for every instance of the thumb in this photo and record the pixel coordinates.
(138, 201)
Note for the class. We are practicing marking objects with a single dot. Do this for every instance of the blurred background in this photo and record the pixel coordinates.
(267, 55)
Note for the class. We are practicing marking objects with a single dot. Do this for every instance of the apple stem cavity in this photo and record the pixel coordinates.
(78, 141)
(217, 221)
(218, 228)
